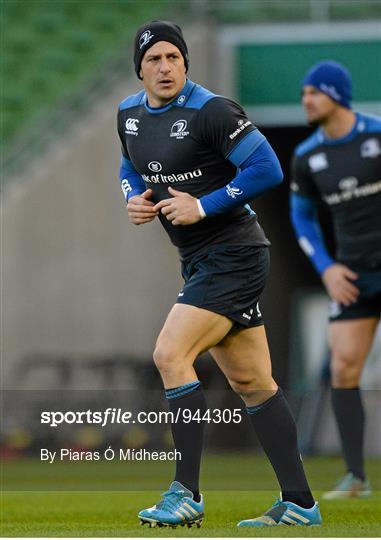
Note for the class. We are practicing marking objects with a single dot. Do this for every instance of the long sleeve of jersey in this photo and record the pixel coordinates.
(130, 180)
(307, 228)
(259, 171)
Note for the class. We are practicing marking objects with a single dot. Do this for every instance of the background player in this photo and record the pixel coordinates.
(177, 133)
(340, 164)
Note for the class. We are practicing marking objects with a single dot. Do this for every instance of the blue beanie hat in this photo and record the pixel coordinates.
(333, 79)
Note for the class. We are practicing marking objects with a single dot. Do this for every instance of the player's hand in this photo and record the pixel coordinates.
(140, 209)
(337, 279)
(180, 209)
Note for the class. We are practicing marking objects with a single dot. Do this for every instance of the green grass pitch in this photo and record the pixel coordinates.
(33, 506)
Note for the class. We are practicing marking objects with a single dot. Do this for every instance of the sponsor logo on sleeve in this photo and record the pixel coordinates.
(126, 187)
(233, 192)
(242, 125)
(306, 246)
(361, 126)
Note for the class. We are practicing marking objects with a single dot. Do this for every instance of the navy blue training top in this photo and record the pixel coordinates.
(345, 173)
(194, 144)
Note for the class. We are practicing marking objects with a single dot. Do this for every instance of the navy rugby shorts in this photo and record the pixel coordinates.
(369, 301)
(227, 279)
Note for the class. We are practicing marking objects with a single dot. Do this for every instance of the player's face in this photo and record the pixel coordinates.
(163, 73)
(317, 105)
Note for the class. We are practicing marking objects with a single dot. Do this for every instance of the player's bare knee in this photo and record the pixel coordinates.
(163, 357)
(243, 389)
(168, 361)
(345, 371)
(246, 386)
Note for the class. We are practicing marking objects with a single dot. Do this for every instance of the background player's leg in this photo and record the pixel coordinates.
(244, 358)
(350, 342)
(187, 332)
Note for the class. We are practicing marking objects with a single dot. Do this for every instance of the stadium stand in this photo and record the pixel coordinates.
(51, 49)
(242, 11)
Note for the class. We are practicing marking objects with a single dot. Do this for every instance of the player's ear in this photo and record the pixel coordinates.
(141, 73)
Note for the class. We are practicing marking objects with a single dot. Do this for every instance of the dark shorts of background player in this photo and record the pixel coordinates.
(227, 279)
(369, 300)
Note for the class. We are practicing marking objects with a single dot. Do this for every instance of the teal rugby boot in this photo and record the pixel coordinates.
(177, 507)
(285, 513)
(349, 487)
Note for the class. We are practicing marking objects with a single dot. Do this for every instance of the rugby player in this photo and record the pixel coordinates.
(193, 160)
(340, 165)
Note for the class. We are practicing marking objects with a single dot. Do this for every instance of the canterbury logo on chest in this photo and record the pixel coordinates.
(131, 126)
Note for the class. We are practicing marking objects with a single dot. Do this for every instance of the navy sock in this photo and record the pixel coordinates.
(275, 427)
(188, 436)
(350, 417)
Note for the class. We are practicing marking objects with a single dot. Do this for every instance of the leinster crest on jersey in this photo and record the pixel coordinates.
(178, 129)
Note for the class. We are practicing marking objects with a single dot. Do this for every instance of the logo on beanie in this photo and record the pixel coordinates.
(145, 38)
(331, 91)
